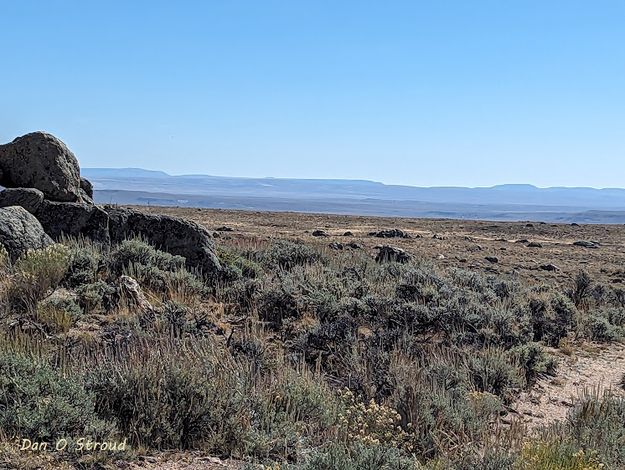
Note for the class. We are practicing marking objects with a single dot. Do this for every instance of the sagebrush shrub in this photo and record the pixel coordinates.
(286, 255)
(39, 403)
(36, 274)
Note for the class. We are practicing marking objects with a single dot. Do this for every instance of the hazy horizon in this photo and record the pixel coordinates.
(447, 94)
(153, 170)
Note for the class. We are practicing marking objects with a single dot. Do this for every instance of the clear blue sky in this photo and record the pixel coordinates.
(431, 93)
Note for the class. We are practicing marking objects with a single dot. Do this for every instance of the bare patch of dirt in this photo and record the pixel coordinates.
(591, 368)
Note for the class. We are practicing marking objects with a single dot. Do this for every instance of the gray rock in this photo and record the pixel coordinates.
(74, 219)
(388, 253)
(534, 245)
(390, 233)
(86, 186)
(320, 233)
(549, 267)
(491, 259)
(20, 231)
(39, 160)
(171, 234)
(336, 246)
(28, 198)
(586, 244)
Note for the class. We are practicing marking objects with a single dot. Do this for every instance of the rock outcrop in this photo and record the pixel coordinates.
(171, 234)
(43, 178)
(28, 198)
(41, 161)
(20, 231)
(74, 219)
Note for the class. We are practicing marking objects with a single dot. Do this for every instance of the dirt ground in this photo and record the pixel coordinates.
(461, 243)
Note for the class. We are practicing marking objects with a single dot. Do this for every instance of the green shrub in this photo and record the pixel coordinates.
(239, 264)
(286, 255)
(137, 252)
(58, 311)
(534, 360)
(175, 315)
(339, 456)
(174, 396)
(598, 423)
(37, 273)
(276, 305)
(39, 403)
(555, 455)
(600, 329)
(97, 297)
(493, 371)
(83, 266)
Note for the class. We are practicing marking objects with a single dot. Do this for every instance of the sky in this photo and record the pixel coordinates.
(469, 93)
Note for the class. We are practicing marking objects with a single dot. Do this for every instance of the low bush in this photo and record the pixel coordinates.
(36, 274)
(286, 255)
(38, 403)
(174, 395)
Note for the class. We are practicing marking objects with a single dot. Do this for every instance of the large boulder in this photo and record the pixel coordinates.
(28, 198)
(171, 234)
(20, 231)
(40, 160)
(74, 219)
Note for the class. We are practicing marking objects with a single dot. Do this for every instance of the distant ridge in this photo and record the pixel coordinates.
(500, 202)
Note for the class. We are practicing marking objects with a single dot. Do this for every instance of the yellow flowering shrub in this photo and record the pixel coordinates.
(371, 423)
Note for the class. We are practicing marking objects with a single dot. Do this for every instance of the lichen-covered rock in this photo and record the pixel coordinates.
(40, 160)
(20, 231)
(74, 219)
(171, 234)
(28, 198)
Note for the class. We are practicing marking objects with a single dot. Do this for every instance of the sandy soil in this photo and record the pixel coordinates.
(590, 369)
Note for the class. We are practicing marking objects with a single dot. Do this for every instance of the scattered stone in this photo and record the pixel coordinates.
(491, 259)
(133, 294)
(224, 229)
(390, 233)
(20, 231)
(40, 160)
(28, 198)
(529, 225)
(441, 256)
(348, 234)
(354, 246)
(574, 224)
(436, 236)
(534, 245)
(388, 253)
(336, 246)
(522, 240)
(320, 233)
(549, 267)
(586, 244)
